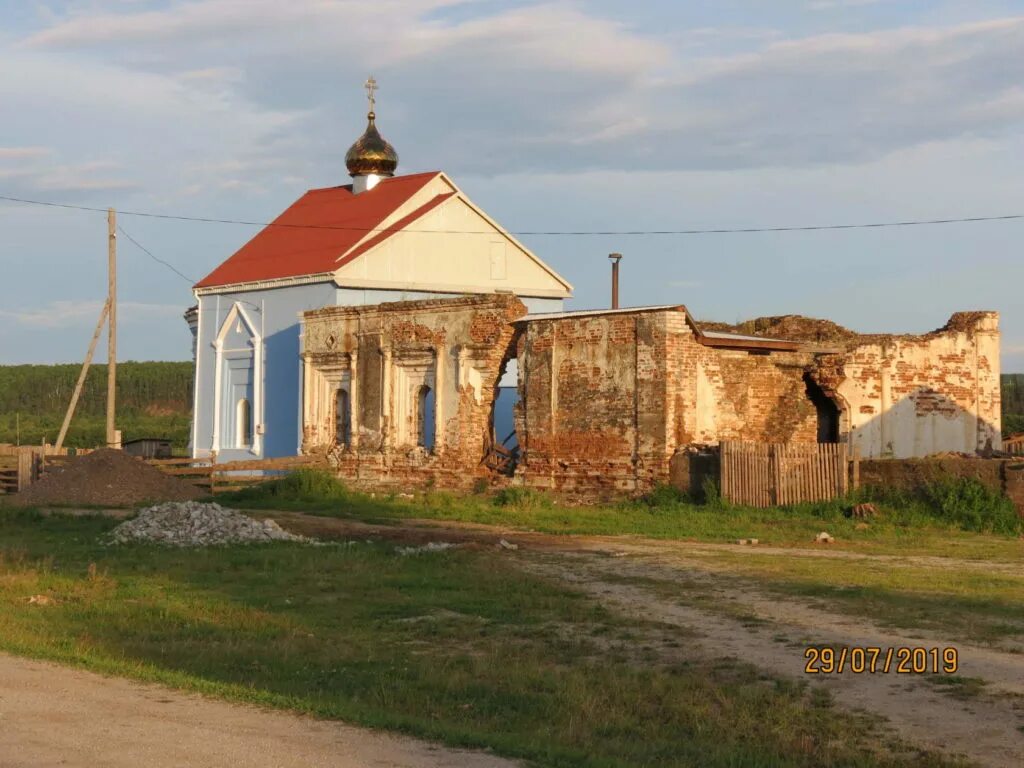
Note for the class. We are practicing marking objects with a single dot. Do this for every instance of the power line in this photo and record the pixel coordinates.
(578, 233)
(157, 259)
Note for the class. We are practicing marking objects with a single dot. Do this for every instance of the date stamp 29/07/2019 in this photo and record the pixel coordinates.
(903, 660)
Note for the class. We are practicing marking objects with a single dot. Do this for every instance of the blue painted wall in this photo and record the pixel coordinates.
(275, 313)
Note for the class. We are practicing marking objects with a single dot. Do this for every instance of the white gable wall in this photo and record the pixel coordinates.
(439, 185)
(453, 249)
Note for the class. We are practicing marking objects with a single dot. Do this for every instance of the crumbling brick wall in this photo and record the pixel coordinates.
(608, 398)
(591, 414)
(903, 395)
(381, 355)
(907, 396)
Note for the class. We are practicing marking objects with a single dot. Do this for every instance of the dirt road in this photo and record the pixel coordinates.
(54, 716)
(670, 583)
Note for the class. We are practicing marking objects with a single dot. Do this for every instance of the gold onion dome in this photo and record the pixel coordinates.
(371, 154)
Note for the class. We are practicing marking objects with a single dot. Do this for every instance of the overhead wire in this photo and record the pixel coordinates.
(559, 233)
(155, 258)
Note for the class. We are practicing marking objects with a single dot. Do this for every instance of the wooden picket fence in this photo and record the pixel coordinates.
(232, 475)
(779, 474)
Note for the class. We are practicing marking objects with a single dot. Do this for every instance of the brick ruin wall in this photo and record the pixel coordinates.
(606, 400)
(591, 414)
(459, 347)
(913, 396)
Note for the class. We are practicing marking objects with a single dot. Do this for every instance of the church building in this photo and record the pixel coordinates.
(382, 238)
(392, 328)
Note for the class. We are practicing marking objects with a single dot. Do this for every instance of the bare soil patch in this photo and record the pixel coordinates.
(106, 478)
(51, 715)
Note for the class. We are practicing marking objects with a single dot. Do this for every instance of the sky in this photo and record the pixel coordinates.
(580, 115)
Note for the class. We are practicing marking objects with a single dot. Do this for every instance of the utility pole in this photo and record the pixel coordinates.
(111, 326)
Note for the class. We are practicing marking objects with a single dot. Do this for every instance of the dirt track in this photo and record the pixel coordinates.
(656, 580)
(54, 716)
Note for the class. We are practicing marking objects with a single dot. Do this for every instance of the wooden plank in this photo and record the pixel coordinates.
(176, 462)
(242, 479)
(723, 468)
(821, 461)
(856, 467)
(844, 488)
(187, 471)
(24, 470)
(767, 493)
(745, 469)
(741, 475)
(294, 462)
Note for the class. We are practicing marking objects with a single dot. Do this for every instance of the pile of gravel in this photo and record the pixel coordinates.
(106, 478)
(197, 524)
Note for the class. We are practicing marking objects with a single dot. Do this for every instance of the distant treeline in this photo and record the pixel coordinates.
(153, 400)
(1013, 403)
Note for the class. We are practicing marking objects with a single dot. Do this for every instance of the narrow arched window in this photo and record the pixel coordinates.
(425, 418)
(342, 418)
(243, 423)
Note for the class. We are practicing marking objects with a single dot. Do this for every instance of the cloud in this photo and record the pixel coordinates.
(23, 153)
(829, 5)
(71, 314)
(554, 86)
(69, 180)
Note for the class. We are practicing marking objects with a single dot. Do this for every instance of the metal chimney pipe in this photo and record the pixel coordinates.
(615, 257)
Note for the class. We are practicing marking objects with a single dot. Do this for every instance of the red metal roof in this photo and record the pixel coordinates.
(319, 228)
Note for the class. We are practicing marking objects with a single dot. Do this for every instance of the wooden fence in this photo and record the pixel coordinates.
(21, 468)
(1014, 445)
(778, 474)
(231, 475)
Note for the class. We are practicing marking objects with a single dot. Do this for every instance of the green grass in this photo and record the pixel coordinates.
(961, 604)
(904, 526)
(460, 646)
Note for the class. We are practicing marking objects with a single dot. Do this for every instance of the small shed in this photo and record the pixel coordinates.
(148, 448)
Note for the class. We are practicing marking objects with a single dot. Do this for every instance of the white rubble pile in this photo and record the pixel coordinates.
(198, 524)
(433, 546)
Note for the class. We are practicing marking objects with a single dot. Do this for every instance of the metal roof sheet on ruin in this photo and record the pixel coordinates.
(720, 339)
(317, 229)
(588, 312)
(739, 341)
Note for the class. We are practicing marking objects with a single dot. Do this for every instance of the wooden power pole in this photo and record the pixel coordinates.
(81, 378)
(111, 326)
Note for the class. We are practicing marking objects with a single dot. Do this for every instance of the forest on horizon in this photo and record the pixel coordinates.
(154, 399)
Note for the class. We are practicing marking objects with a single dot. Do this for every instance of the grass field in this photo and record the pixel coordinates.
(460, 646)
(903, 527)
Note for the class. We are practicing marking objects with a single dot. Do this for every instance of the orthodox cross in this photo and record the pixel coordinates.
(371, 88)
